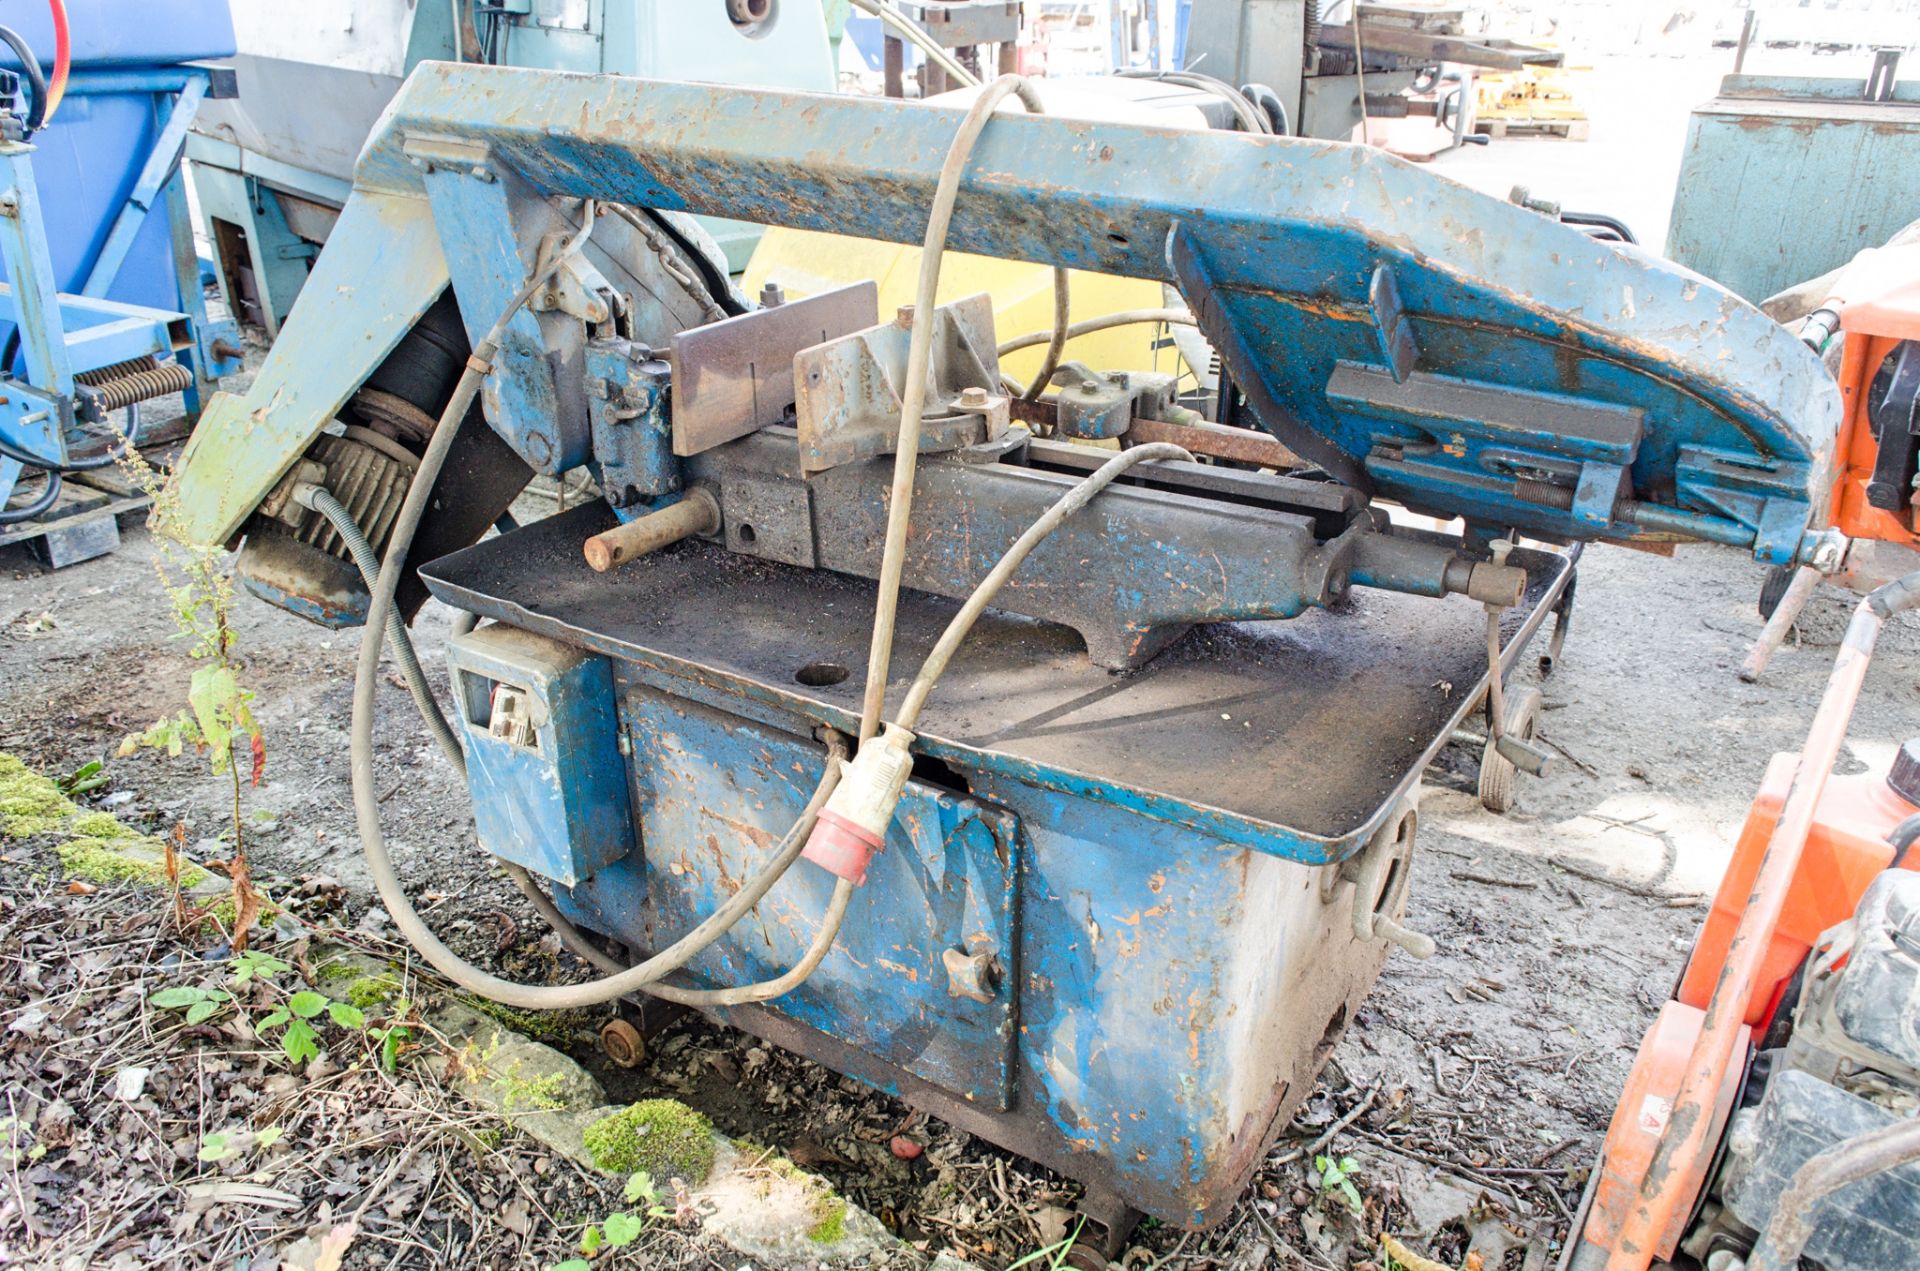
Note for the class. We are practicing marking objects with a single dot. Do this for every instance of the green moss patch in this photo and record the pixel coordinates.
(664, 1137)
(224, 914)
(370, 992)
(93, 846)
(556, 1028)
(97, 825)
(30, 804)
(101, 860)
(829, 1218)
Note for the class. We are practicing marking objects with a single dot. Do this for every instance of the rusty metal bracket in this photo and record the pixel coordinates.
(848, 391)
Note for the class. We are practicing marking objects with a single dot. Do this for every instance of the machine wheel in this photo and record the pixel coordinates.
(622, 1043)
(1497, 776)
(1775, 586)
(1084, 1255)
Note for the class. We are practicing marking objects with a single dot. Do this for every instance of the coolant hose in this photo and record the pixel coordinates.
(1056, 338)
(27, 459)
(913, 401)
(1250, 117)
(62, 58)
(36, 81)
(1105, 322)
(105, 459)
(1901, 838)
(46, 499)
(322, 501)
(962, 622)
(366, 802)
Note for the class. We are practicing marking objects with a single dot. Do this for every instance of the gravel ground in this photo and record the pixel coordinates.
(1496, 1063)
(1471, 1090)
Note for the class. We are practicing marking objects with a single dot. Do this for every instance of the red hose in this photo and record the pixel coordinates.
(62, 59)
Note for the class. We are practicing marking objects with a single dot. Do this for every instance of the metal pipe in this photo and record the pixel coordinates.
(1242, 445)
(1857, 1159)
(697, 512)
(113, 81)
(1779, 622)
(905, 26)
(1105, 322)
(1663, 1188)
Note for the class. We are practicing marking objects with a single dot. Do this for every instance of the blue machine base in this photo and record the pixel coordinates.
(1151, 860)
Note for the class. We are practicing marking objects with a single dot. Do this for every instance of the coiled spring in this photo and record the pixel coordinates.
(125, 383)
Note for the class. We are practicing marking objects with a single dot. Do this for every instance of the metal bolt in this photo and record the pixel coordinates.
(904, 317)
(9, 204)
(481, 172)
(771, 296)
(973, 397)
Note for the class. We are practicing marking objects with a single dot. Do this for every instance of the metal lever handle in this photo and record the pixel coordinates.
(1417, 943)
(697, 512)
(1524, 755)
(1372, 876)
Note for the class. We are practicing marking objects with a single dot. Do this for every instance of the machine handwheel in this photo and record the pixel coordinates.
(1497, 775)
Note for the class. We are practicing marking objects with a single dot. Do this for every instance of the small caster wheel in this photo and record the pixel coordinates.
(1497, 775)
(1085, 1256)
(1778, 579)
(621, 1042)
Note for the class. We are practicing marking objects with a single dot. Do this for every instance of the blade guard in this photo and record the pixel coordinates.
(1418, 340)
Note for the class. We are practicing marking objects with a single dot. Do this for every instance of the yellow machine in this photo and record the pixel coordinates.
(1536, 98)
(803, 263)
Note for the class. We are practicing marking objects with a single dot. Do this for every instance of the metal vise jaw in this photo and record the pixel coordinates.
(1130, 574)
(848, 392)
(1097, 405)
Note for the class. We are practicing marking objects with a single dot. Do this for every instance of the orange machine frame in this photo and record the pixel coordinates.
(1878, 300)
(1661, 1144)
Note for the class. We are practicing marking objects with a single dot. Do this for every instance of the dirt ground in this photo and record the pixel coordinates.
(1561, 926)
(1492, 1067)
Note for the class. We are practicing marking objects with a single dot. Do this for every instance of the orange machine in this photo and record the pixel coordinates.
(1846, 849)
(1876, 304)
(1752, 1033)
(1875, 308)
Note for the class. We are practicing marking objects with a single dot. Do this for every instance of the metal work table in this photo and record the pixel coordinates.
(1294, 737)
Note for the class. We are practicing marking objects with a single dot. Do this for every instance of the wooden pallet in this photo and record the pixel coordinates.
(84, 522)
(1569, 129)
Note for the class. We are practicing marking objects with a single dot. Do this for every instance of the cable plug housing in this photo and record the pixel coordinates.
(853, 825)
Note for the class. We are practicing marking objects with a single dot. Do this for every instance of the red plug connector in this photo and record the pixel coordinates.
(853, 825)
